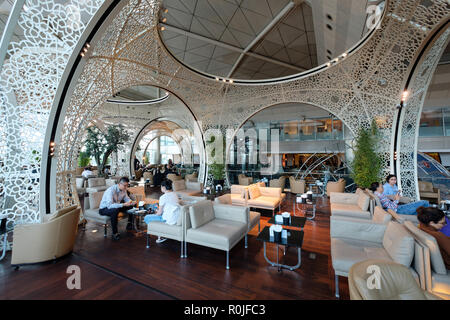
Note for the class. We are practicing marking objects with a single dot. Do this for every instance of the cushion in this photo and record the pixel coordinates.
(164, 228)
(237, 189)
(254, 192)
(350, 210)
(237, 199)
(381, 216)
(201, 213)
(92, 214)
(266, 202)
(220, 234)
(437, 263)
(94, 200)
(254, 218)
(347, 252)
(399, 243)
(363, 201)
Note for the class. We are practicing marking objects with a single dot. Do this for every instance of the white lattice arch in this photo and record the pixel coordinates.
(127, 50)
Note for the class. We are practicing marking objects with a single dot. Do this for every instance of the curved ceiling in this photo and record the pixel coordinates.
(261, 39)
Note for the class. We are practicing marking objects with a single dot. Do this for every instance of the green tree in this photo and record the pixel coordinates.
(366, 164)
(83, 159)
(217, 170)
(101, 145)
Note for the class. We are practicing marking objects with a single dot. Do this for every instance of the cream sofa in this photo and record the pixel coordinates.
(174, 232)
(355, 241)
(188, 188)
(51, 239)
(402, 285)
(264, 198)
(216, 226)
(253, 216)
(437, 277)
(350, 205)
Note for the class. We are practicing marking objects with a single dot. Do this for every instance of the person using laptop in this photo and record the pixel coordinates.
(169, 209)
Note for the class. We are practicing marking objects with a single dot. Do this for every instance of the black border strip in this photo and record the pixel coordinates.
(408, 81)
(63, 97)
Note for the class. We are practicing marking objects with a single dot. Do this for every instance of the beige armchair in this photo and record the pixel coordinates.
(278, 183)
(297, 186)
(173, 177)
(182, 187)
(253, 218)
(245, 181)
(216, 226)
(54, 238)
(174, 232)
(355, 241)
(395, 282)
(437, 277)
(350, 205)
(427, 191)
(338, 186)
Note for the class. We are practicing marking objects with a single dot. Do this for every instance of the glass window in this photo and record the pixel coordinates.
(431, 123)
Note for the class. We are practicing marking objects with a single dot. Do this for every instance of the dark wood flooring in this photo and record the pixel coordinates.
(125, 269)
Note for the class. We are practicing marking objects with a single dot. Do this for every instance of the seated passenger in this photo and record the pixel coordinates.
(390, 187)
(432, 220)
(409, 208)
(168, 210)
(116, 200)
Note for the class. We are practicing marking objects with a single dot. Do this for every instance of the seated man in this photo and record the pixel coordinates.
(432, 220)
(410, 208)
(169, 209)
(87, 172)
(115, 200)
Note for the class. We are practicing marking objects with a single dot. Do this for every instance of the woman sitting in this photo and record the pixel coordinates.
(409, 208)
(432, 220)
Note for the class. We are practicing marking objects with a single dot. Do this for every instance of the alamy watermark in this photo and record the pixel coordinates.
(374, 14)
(74, 280)
(373, 281)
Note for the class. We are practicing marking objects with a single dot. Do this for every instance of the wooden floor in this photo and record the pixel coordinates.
(125, 269)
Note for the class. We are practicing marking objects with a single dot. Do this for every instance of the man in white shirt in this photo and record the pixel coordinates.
(87, 172)
(169, 209)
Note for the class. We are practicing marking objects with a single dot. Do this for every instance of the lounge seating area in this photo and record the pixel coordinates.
(225, 150)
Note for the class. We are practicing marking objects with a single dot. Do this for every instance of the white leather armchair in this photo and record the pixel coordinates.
(437, 277)
(216, 226)
(354, 241)
(350, 205)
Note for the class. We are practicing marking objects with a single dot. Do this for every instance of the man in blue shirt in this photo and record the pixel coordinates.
(115, 200)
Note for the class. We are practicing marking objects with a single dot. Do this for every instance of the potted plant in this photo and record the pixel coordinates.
(218, 172)
(367, 163)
